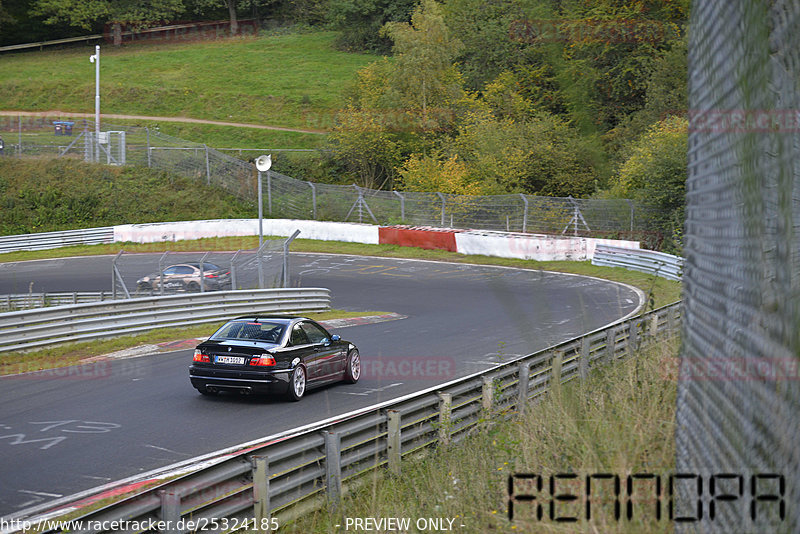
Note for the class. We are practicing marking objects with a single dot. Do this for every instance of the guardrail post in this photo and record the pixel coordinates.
(654, 325)
(170, 511)
(633, 337)
(260, 491)
(611, 347)
(524, 386)
(671, 326)
(445, 409)
(394, 442)
(333, 468)
(583, 359)
(555, 372)
(487, 394)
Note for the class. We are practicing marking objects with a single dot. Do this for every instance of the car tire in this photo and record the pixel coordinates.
(192, 286)
(297, 384)
(144, 286)
(352, 370)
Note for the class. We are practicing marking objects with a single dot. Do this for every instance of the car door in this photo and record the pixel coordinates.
(301, 348)
(327, 354)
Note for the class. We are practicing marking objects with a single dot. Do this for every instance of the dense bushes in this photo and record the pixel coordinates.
(38, 195)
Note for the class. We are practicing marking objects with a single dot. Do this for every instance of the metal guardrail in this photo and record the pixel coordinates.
(287, 474)
(47, 240)
(47, 326)
(25, 301)
(647, 261)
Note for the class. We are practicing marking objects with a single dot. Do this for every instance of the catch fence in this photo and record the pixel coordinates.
(287, 197)
(739, 418)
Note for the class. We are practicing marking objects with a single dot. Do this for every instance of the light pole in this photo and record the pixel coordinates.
(95, 58)
(263, 163)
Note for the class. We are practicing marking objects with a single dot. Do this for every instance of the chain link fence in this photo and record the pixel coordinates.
(138, 275)
(738, 410)
(287, 197)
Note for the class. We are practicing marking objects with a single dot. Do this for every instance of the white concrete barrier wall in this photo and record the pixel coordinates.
(500, 244)
(533, 246)
(176, 231)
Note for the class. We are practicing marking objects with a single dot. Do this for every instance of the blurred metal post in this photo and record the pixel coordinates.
(96, 60)
(313, 200)
(19, 141)
(445, 412)
(161, 273)
(260, 491)
(393, 441)
(203, 273)
(269, 191)
(524, 382)
(114, 275)
(333, 468)
(286, 257)
(118, 278)
(263, 163)
(487, 394)
(149, 161)
(583, 361)
(402, 206)
(208, 167)
(260, 213)
(233, 269)
(441, 196)
(524, 213)
(170, 511)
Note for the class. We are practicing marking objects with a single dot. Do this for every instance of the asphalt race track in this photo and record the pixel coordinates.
(71, 430)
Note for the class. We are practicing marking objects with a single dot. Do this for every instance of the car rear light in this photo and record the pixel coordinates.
(265, 360)
(209, 275)
(200, 357)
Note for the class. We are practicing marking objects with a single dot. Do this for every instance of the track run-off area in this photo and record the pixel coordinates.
(68, 431)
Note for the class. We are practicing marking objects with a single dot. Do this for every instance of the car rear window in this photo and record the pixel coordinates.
(247, 330)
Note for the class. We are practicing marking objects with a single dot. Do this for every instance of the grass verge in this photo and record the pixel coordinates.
(289, 80)
(619, 421)
(12, 363)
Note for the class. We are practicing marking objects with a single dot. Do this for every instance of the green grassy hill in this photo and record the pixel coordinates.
(38, 195)
(293, 80)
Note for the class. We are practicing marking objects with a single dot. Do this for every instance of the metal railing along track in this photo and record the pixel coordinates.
(289, 473)
(26, 329)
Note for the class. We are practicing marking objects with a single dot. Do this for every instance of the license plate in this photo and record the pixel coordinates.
(237, 360)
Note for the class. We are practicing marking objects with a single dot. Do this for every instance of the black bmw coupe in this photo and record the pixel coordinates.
(272, 354)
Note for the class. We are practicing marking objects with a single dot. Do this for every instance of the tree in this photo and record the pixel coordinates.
(360, 21)
(431, 173)
(85, 13)
(655, 174)
(423, 73)
(362, 145)
(542, 155)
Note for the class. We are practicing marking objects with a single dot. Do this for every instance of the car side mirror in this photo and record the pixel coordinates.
(335, 337)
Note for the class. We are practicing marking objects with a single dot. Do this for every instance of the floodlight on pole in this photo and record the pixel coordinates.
(95, 58)
(263, 163)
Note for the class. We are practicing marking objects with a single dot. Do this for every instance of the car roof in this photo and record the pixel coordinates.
(286, 319)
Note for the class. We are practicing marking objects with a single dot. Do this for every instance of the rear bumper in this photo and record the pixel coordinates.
(205, 379)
